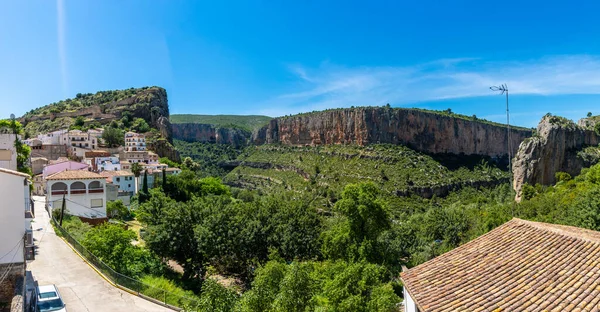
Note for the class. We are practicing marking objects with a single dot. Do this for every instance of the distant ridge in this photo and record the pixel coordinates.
(246, 122)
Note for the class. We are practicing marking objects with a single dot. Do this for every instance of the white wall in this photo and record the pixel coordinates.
(409, 303)
(12, 217)
(78, 204)
(7, 146)
(126, 184)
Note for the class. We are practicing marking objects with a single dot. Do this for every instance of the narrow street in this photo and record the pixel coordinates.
(81, 287)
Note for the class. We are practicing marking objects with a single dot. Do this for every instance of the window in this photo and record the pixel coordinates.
(118, 179)
(96, 203)
(128, 185)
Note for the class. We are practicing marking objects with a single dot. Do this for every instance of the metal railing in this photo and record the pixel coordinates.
(149, 292)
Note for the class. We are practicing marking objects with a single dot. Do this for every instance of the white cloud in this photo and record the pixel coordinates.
(330, 86)
(60, 28)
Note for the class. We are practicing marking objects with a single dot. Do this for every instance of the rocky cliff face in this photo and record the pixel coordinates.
(193, 132)
(424, 131)
(556, 148)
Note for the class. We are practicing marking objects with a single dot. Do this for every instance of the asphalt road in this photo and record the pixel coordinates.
(81, 287)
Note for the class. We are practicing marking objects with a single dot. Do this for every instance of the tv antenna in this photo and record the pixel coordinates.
(503, 88)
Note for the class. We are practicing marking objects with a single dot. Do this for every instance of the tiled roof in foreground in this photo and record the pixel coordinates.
(519, 266)
(74, 175)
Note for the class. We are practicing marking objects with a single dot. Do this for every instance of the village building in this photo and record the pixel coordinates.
(152, 158)
(52, 138)
(519, 266)
(16, 218)
(8, 152)
(135, 142)
(134, 156)
(125, 165)
(39, 185)
(38, 164)
(125, 185)
(16, 243)
(55, 167)
(84, 194)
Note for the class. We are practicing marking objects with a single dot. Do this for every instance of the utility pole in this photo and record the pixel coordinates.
(62, 210)
(504, 90)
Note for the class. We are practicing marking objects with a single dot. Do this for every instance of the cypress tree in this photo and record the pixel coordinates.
(145, 185)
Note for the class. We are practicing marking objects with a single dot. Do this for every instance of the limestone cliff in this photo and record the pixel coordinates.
(556, 147)
(195, 132)
(425, 131)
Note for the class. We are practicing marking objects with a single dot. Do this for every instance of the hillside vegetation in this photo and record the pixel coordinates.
(96, 109)
(248, 122)
(325, 170)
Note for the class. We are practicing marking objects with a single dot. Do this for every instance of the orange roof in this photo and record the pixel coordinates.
(74, 175)
(17, 173)
(519, 266)
(120, 173)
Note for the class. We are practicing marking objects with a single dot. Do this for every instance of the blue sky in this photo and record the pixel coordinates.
(278, 58)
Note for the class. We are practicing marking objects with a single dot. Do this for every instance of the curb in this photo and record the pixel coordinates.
(139, 295)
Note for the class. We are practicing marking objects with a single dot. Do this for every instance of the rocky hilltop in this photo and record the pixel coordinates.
(149, 103)
(560, 145)
(426, 131)
(208, 133)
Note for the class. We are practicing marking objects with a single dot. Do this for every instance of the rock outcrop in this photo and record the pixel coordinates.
(163, 148)
(195, 132)
(425, 131)
(151, 104)
(555, 148)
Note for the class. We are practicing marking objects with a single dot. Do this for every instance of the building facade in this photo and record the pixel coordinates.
(8, 152)
(135, 142)
(16, 218)
(62, 166)
(84, 193)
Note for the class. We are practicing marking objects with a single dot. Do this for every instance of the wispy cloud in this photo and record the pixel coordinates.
(60, 28)
(330, 86)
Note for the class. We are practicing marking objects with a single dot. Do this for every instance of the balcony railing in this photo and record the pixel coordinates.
(59, 192)
(96, 190)
(79, 191)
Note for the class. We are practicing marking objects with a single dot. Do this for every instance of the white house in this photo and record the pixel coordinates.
(84, 193)
(135, 142)
(135, 156)
(80, 139)
(16, 215)
(125, 180)
(8, 152)
(152, 158)
(52, 138)
(111, 163)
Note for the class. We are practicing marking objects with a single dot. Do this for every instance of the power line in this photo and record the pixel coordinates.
(10, 266)
(86, 207)
(15, 246)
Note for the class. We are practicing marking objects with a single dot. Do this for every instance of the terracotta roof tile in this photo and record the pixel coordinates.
(519, 266)
(17, 173)
(74, 175)
(109, 173)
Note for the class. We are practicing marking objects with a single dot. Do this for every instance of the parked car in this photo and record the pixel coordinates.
(47, 299)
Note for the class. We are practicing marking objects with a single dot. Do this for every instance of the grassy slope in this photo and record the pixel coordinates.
(393, 167)
(250, 122)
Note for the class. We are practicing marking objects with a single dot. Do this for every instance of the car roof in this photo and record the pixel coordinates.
(47, 288)
(48, 292)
